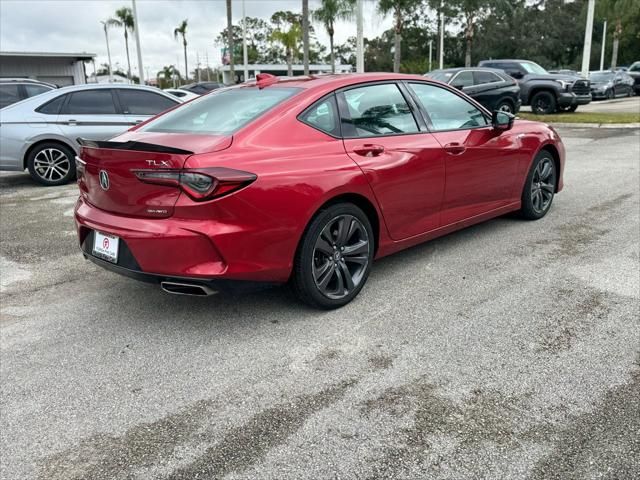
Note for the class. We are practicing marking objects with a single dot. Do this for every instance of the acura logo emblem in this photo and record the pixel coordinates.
(104, 180)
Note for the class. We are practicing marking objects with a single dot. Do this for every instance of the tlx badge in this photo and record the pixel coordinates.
(158, 163)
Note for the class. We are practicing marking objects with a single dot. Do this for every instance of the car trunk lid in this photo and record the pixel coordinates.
(107, 170)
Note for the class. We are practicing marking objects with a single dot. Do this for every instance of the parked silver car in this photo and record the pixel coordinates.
(13, 90)
(40, 133)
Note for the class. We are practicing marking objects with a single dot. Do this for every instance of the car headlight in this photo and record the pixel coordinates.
(564, 84)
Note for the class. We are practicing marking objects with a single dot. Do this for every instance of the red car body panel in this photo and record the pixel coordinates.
(421, 186)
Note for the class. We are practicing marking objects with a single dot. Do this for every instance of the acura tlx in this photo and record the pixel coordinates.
(305, 180)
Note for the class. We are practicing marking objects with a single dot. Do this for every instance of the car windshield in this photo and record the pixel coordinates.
(531, 67)
(441, 76)
(635, 67)
(601, 76)
(221, 112)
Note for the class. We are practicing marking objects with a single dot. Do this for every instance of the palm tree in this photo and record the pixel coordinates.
(232, 72)
(181, 30)
(328, 14)
(401, 9)
(168, 74)
(124, 19)
(288, 33)
(619, 11)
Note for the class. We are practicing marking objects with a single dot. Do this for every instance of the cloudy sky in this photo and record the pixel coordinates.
(74, 26)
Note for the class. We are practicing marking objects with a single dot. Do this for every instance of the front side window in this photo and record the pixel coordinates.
(91, 102)
(531, 67)
(221, 112)
(447, 110)
(463, 79)
(323, 116)
(139, 102)
(377, 110)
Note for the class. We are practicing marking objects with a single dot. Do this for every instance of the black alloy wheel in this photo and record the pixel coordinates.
(540, 187)
(543, 103)
(334, 259)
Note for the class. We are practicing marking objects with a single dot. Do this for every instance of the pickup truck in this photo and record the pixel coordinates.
(543, 91)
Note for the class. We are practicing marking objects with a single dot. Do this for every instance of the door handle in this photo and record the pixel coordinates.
(72, 121)
(455, 148)
(369, 150)
(137, 122)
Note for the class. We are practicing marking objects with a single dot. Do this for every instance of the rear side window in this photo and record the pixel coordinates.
(221, 112)
(480, 77)
(33, 90)
(376, 110)
(463, 79)
(91, 102)
(323, 115)
(9, 94)
(139, 102)
(53, 107)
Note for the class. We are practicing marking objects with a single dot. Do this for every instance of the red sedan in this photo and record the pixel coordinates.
(305, 180)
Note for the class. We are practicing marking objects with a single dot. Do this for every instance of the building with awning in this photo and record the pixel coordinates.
(61, 69)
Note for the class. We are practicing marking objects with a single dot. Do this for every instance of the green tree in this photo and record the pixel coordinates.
(328, 14)
(181, 30)
(124, 19)
(623, 16)
(288, 33)
(167, 75)
(401, 9)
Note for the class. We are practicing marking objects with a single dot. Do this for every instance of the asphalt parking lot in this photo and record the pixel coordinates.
(509, 350)
(619, 105)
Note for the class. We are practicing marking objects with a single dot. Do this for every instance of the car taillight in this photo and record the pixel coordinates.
(201, 184)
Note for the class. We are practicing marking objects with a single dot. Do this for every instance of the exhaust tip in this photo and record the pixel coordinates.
(187, 289)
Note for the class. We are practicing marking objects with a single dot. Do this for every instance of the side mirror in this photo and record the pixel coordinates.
(459, 86)
(502, 120)
(515, 74)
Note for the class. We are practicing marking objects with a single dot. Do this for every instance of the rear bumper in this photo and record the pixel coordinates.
(217, 285)
(157, 250)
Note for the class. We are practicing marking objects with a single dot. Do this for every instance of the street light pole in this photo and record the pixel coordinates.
(359, 38)
(137, 31)
(430, 52)
(586, 52)
(106, 36)
(245, 56)
(441, 52)
(604, 40)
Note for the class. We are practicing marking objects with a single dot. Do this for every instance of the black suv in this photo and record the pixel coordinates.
(545, 92)
(634, 72)
(494, 89)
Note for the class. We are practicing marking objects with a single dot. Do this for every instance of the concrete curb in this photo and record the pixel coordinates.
(594, 125)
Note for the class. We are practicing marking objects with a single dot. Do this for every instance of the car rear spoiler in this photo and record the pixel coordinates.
(131, 145)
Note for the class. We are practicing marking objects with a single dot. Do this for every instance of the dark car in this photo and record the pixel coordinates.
(14, 90)
(609, 84)
(634, 72)
(494, 89)
(201, 88)
(545, 92)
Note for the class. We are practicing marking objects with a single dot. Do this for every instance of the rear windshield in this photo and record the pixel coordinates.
(440, 76)
(598, 77)
(221, 112)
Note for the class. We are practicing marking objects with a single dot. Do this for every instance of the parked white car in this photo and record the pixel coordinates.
(40, 133)
(183, 95)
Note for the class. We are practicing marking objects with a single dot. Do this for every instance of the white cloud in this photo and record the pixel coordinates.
(74, 26)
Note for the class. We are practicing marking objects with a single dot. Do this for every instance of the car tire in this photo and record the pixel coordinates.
(506, 105)
(539, 187)
(51, 164)
(543, 103)
(334, 257)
